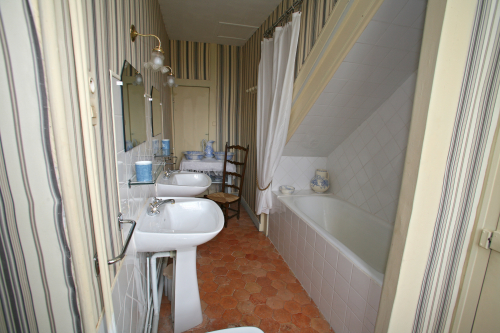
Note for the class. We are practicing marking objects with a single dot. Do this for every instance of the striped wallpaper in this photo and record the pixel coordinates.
(190, 60)
(315, 14)
(37, 274)
(228, 94)
(37, 282)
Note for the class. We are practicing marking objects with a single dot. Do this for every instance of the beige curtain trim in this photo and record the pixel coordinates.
(262, 189)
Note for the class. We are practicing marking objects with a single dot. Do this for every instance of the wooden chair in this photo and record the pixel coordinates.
(225, 199)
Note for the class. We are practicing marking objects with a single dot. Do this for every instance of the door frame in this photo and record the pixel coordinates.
(478, 257)
(211, 83)
(212, 114)
(86, 86)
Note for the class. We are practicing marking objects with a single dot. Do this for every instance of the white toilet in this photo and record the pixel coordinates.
(240, 330)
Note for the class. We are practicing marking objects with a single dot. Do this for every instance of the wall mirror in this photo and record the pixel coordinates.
(156, 114)
(134, 107)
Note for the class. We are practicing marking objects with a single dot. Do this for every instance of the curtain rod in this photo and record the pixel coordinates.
(269, 31)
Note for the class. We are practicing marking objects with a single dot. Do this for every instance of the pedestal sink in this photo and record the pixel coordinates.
(182, 184)
(180, 227)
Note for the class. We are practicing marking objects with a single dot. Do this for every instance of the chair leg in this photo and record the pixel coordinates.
(239, 203)
(226, 212)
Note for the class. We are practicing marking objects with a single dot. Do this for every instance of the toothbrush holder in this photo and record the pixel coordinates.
(144, 171)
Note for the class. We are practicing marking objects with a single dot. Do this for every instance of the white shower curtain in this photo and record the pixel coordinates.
(274, 102)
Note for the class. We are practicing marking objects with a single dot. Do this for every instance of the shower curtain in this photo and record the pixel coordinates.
(274, 102)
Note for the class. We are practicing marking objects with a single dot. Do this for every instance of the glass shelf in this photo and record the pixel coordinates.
(164, 156)
(157, 169)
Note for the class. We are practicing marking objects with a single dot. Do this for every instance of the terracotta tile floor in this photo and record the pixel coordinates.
(243, 281)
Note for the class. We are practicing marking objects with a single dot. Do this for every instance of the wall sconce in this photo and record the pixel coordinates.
(156, 62)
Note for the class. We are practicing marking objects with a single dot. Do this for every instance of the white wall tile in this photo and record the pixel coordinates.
(318, 262)
(344, 267)
(341, 287)
(356, 303)
(368, 327)
(360, 282)
(367, 167)
(129, 290)
(374, 294)
(355, 325)
(384, 56)
(297, 171)
(370, 314)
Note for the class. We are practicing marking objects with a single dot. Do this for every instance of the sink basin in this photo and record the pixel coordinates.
(186, 224)
(180, 227)
(182, 184)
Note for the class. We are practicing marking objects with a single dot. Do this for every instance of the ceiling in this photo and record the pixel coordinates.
(383, 57)
(226, 22)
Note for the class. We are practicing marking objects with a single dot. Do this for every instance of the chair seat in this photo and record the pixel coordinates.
(222, 197)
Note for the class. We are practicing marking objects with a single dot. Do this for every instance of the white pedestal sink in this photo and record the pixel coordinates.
(180, 227)
(182, 184)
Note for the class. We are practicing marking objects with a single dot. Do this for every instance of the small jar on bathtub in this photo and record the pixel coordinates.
(320, 182)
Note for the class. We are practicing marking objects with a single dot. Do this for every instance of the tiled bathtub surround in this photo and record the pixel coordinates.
(346, 296)
(366, 169)
(297, 171)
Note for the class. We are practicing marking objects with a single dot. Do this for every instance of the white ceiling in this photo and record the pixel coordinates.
(206, 21)
(384, 56)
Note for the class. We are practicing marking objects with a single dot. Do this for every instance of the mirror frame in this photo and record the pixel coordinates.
(152, 113)
(123, 107)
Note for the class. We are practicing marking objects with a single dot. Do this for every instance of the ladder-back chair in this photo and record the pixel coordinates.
(225, 199)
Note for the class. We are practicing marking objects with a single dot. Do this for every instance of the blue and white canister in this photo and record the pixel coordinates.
(320, 182)
(144, 171)
(165, 146)
(156, 146)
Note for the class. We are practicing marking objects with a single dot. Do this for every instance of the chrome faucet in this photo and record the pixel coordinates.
(153, 207)
(167, 174)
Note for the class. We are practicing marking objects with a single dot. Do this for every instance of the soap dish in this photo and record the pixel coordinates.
(287, 189)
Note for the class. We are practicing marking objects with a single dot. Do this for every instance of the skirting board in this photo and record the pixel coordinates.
(250, 212)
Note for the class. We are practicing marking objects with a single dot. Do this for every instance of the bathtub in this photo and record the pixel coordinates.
(363, 238)
(337, 251)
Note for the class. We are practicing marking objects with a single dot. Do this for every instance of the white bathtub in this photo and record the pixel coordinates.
(337, 251)
(363, 238)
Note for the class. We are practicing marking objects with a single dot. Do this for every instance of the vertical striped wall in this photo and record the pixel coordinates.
(315, 14)
(190, 60)
(473, 136)
(37, 285)
(228, 94)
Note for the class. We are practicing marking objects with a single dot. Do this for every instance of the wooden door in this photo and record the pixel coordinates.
(191, 110)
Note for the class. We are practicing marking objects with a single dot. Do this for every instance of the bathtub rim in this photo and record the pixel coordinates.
(354, 258)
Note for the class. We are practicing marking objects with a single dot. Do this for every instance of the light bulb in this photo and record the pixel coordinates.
(138, 79)
(156, 62)
(170, 80)
(157, 58)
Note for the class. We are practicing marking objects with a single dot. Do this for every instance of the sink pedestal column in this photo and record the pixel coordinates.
(186, 310)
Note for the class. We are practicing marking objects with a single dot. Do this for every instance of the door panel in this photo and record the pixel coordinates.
(191, 108)
(487, 314)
